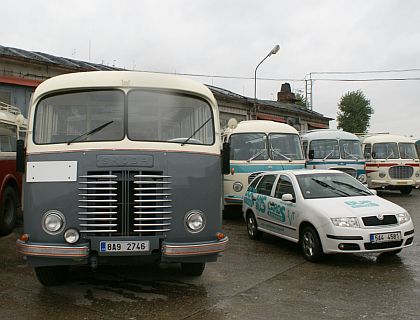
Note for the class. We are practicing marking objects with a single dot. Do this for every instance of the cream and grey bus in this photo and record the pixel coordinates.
(121, 167)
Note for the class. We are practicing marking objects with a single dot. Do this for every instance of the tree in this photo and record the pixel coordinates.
(300, 100)
(354, 112)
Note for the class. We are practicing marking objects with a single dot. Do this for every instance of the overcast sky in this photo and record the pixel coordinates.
(229, 38)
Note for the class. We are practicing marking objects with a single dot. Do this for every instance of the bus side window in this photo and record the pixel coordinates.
(367, 151)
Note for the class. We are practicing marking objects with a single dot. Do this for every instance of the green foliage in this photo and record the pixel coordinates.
(354, 112)
(300, 100)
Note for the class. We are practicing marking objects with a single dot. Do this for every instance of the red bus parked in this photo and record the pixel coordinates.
(11, 123)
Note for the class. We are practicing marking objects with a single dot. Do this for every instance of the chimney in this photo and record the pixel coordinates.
(286, 95)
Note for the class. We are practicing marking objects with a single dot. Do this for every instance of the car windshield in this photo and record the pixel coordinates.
(351, 149)
(285, 146)
(330, 185)
(408, 151)
(248, 146)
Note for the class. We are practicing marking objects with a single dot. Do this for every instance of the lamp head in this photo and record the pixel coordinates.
(275, 49)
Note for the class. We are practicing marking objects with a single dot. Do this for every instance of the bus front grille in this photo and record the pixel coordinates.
(124, 203)
(401, 172)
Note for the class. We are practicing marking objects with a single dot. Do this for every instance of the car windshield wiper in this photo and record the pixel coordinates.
(364, 192)
(195, 132)
(90, 132)
(326, 185)
(281, 154)
(256, 155)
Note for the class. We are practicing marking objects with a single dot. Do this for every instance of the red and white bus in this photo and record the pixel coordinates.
(11, 124)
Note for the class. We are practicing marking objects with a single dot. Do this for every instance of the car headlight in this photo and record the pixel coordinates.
(71, 236)
(237, 186)
(195, 221)
(382, 174)
(362, 178)
(350, 222)
(53, 222)
(403, 217)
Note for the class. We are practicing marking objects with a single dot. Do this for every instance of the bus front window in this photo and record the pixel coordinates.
(61, 118)
(285, 147)
(325, 149)
(408, 151)
(248, 146)
(351, 149)
(387, 150)
(169, 117)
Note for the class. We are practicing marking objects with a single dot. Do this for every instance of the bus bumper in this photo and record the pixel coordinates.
(194, 249)
(50, 250)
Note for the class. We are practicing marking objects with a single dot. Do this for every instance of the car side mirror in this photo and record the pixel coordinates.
(287, 197)
(311, 154)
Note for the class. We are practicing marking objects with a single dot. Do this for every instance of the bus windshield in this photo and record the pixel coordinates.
(387, 150)
(351, 149)
(408, 151)
(152, 116)
(325, 149)
(248, 146)
(285, 146)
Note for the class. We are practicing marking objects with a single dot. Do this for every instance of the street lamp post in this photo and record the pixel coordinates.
(273, 51)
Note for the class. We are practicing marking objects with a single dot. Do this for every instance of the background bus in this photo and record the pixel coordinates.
(257, 146)
(11, 181)
(391, 162)
(334, 149)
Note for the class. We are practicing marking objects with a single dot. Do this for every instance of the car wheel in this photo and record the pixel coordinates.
(252, 227)
(193, 269)
(53, 275)
(406, 190)
(311, 244)
(8, 211)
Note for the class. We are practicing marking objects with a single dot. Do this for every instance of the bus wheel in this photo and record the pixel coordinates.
(53, 275)
(8, 211)
(193, 269)
(252, 227)
(406, 190)
(311, 244)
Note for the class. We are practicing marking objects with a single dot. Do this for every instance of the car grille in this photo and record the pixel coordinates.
(124, 203)
(401, 172)
(253, 175)
(382, 245)
(374, 221)
(349, 171)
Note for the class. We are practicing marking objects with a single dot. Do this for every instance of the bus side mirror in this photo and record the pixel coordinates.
(20, 156)
(311, 154)
(373, 155)
(226, 158)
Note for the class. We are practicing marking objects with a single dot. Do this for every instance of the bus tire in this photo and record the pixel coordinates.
(193, 269)
(8, 210)
(406, 190)
(52, 275)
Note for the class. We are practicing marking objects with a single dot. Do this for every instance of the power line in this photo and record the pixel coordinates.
(367, 72)
(365, 80)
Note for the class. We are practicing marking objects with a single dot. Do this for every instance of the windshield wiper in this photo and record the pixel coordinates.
(391, 154)
(364, 192)
(256, 155)
(326, 157)
(194, 133)
(281, 154)
(326, 185)
(351, 155)
(90, 132)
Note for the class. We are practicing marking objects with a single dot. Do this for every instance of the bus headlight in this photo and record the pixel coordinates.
(382, 174)
(53, 222)
(71, 236)
(237, 186)
(195, 221)
(362, 178)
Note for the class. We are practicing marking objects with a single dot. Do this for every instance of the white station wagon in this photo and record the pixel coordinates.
(325, 211)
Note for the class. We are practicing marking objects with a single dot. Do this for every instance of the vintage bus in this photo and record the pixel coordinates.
(121, 167)
(12, 124)
(392, 162)
(334, 149)
(257, 146)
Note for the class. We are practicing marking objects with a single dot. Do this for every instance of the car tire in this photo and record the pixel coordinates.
(252, 227)
(52, 275)
(8, 211)
(310, 244)
(193, 269)
(406, 190)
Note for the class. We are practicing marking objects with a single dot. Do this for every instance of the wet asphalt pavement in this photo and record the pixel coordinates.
(266, 279)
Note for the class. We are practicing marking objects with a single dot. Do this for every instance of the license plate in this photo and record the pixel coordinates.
(124, 246)
(385, 237)
(401, 182)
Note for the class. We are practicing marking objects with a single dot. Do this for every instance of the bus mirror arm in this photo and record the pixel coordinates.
(20, 156)
(226, 158)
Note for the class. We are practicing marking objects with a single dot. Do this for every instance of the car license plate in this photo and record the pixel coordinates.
(385, 237)
(124, 246)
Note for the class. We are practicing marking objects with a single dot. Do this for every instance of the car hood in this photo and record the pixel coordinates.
(354, 206)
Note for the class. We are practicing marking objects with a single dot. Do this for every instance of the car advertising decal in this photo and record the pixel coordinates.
(361, 204)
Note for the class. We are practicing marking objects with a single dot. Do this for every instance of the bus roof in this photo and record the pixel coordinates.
(329, 134)
(122, 79)
(383, 138)
(265, 126)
